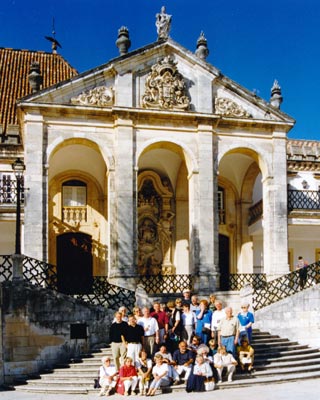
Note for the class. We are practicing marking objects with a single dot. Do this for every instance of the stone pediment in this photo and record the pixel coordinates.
(163, 76)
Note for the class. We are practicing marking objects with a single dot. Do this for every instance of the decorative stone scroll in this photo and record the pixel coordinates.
(229, 108)
(165, 87)
(101, 96)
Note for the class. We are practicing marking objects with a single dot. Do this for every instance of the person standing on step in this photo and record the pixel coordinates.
(302, 270)
(151, 331)
(246, 320)
(228, 332)
(217, 316)
(186, 294)
(163, 321)
(134, 338)
(118, 330)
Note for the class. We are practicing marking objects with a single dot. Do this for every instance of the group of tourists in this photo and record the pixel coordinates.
(183, 341)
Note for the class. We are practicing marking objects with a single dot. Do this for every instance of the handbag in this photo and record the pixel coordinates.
(209, 385)
(206, 331)
(96, 384)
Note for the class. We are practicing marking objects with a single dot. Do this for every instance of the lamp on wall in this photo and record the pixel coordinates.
(18, 169)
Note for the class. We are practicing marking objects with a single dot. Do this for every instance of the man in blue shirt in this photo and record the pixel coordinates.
(183, 360)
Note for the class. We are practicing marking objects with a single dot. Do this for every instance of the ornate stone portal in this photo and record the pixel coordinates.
(165, 87)
(155, 225)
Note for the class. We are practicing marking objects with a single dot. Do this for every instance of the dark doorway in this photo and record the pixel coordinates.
(74, 263)
(224, 257)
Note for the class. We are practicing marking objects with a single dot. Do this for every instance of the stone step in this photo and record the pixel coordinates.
(276, 360)
(296, 356)
(236, 383)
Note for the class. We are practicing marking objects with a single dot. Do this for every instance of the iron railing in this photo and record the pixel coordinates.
(285, 286)
(303, 200)
(40, 273)
(8, 191)
(238, 281)
(156, 284)
(105, 294)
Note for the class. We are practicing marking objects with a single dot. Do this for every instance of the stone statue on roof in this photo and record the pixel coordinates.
(163, 24)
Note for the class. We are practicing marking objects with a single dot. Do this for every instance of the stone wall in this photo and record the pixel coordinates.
(296, 317)
(38, 326)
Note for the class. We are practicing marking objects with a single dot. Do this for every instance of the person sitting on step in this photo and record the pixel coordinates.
(128, 378)
(222, 360)
(245, 355)
(144, 367)
(160, 374)
(183, 360)
(108, 376)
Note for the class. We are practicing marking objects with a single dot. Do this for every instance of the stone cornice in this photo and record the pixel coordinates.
(312, 166)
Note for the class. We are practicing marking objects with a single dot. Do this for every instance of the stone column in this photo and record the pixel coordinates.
(35, 211)
(275, 212)
(123, 265)
(203, 221)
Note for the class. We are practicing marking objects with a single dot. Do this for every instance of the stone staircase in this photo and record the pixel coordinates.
(276, 360)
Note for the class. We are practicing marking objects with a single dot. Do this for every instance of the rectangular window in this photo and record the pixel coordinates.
(221, 206)
(74, 196)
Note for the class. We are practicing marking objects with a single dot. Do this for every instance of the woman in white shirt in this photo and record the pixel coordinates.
(189, 320)
(201, 372)
(160, 374)
(222, 360)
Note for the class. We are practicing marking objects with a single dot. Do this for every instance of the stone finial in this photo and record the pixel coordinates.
(34, 77)
(202, 47)
(276, 97)
(123, 42)
(163, 24)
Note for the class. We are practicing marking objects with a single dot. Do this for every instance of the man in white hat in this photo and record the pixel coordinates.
(186, 296)
(108, 376)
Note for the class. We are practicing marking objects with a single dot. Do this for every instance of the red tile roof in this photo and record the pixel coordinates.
(14, 70)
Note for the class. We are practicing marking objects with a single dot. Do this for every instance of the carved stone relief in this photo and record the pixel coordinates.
(101, 96)
(155, 225)
(229, 108)
(165, 87)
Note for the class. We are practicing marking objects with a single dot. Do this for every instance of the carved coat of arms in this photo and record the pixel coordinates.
(165, 87)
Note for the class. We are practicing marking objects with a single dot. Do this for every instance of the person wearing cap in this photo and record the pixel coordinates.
(246, 320)
(186, 296)
(108, 376)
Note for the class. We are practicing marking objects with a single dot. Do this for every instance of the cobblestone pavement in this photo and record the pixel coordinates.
(300, 390)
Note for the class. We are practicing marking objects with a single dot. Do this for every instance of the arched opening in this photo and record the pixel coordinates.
(163, 210)
(74, 263)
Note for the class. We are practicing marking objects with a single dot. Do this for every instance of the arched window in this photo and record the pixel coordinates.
(74, 201)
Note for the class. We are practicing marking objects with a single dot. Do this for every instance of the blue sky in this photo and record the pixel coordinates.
(252, 42)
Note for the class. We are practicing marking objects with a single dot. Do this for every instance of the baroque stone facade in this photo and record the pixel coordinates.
(157, 163)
